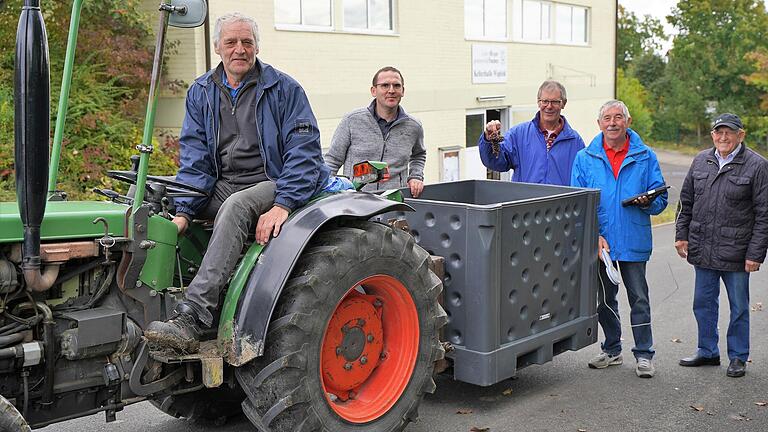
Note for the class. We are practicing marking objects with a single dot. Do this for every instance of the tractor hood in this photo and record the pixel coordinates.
(65, 220)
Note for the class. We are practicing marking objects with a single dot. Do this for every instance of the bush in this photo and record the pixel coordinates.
(108, 95)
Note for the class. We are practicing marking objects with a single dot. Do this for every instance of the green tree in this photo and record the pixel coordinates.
(635, 96)
(636, 36)
(108, 97)
(708, 61)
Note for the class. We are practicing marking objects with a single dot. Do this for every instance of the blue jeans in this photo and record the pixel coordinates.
(705, 307)
(633, 277)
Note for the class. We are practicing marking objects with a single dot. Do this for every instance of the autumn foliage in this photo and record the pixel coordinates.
(108, 96)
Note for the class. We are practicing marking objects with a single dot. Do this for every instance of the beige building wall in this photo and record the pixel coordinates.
(429, 46)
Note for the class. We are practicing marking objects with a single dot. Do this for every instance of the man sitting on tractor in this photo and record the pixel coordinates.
(250, 139)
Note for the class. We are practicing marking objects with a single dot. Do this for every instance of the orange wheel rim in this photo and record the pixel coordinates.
(369, 349)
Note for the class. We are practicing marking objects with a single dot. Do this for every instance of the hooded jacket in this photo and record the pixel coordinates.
(290, 139)
(626, 229)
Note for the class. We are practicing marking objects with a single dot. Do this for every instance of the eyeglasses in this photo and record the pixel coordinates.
(555, 103)
(387, 86)
(724, 132)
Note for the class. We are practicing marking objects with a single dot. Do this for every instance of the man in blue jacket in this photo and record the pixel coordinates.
(619, 164)
(541, 150)
(250, 139)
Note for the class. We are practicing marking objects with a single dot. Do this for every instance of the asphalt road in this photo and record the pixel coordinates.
(565, 395)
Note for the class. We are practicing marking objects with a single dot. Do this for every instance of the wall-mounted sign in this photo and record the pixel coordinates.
(489, 64)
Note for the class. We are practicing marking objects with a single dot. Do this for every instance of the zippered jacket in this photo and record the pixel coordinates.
(525, 151)
(724, 214)
(626, 229)
(290, 139)
(358, 138)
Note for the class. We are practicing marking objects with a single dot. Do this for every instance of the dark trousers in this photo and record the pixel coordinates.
(633, 278)
(235, 218)
(706, 302)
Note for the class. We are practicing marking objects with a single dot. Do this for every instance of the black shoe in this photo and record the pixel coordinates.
(182, 332)
(737, 368)
(697, 360)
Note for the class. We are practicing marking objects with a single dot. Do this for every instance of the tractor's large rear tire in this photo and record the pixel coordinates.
(353, 339)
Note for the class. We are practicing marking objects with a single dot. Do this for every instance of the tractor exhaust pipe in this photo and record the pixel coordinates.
(32, 92)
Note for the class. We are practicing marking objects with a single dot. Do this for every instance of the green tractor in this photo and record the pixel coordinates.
(331, 326)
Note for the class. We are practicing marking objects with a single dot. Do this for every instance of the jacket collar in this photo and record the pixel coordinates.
(567, 131)
(268, 75)
(738, 159)
(636, 145)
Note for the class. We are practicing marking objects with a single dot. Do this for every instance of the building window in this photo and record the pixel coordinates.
(485, 19)
(368, 15)
(532, 20)
(571, 24)
(305, 13)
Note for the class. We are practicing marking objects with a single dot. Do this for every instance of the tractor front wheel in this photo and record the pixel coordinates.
(353, 339)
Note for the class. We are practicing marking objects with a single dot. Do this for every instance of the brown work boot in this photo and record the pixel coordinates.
(181, 333)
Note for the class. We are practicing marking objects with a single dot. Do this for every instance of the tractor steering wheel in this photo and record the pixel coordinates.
(173, 188)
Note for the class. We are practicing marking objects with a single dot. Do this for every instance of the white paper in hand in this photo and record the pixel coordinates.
(613, 274)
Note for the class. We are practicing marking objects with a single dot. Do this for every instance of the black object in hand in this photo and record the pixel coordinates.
(651, 194)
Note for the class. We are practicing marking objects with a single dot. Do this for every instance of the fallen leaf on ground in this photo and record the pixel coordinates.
(698, 408)
(479, 429)
(739, 417)
(761, 403)
(676, 340)
(757, 307)
(463, 411)
(507, 392)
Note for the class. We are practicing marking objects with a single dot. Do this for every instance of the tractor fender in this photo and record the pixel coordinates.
(274, 266)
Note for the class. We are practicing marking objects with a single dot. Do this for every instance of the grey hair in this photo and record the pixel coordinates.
(611, 104)
(234, 17)
(552, 85)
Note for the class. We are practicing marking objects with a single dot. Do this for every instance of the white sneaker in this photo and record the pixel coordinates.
(603, 360)
(645, 368)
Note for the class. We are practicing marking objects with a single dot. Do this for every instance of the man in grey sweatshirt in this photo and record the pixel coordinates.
(382, 131)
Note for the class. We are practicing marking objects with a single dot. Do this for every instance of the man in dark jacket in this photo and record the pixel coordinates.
(541, 150)
(722, 230)
(250, 139)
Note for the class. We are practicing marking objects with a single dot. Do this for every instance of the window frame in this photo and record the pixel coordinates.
(369, 30)
(306, 27)
(483, 37)
(587, 22)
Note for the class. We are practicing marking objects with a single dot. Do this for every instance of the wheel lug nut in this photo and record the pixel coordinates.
(338, 350)
(383, 355)
(351, 395)
(377, 303)
(344, 329)
(347, 366)
(361, 322)
(332, 397)
(363, 360)
(370, 338)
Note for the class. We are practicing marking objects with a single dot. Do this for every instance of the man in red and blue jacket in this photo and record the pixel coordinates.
(619, 164)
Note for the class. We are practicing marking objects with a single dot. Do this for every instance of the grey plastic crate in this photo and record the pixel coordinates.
(520, 271)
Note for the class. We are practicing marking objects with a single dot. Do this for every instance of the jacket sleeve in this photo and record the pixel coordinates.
(507, 153)
(759, 241)
(195, 165)
(655, 179)
(579, 179)
(337, 153)
(686, 206)
(418, 157)
(302, 156)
